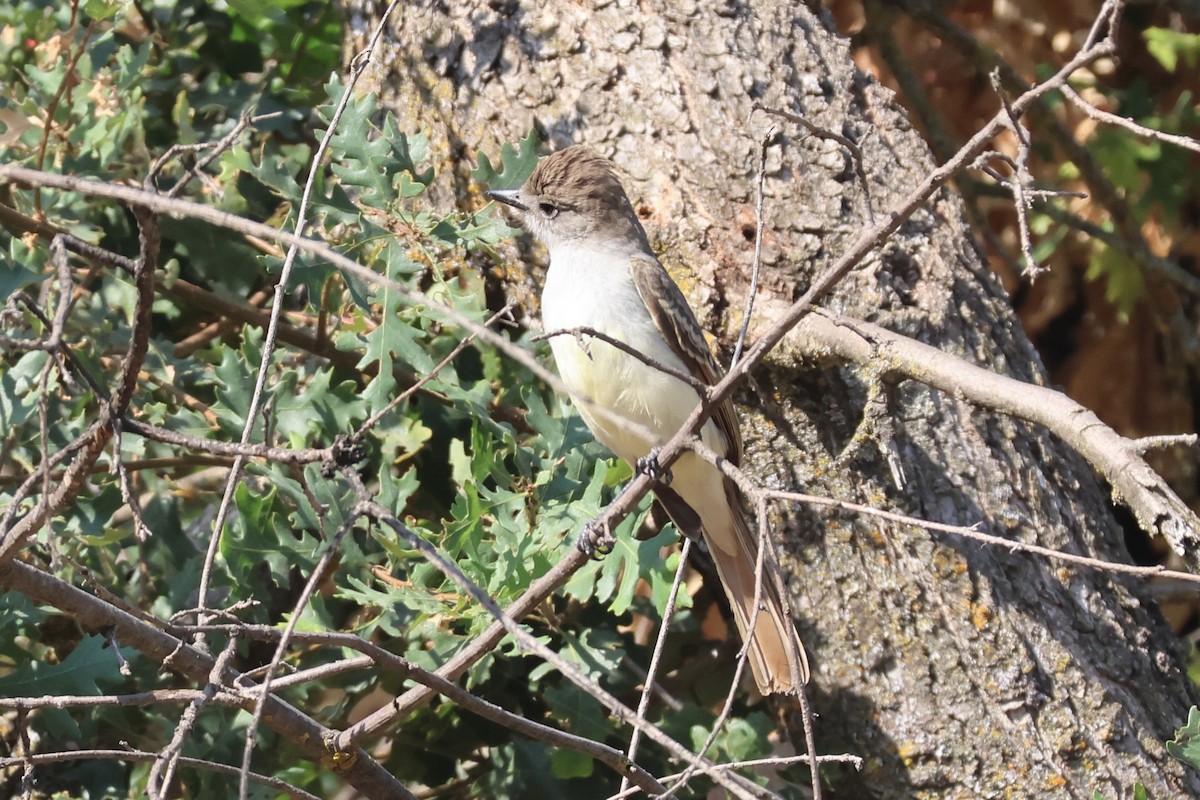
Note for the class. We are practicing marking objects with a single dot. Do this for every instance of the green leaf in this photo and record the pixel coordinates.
(613, 579)
(80, 673)
(88, 519)
(251, 9)
(516, 164)
(18, 389)
(1186, 744)
(17, 273)
(1125, 282)
(274, 169)
(100, 10)
(381, 163)
(213, 255)
(261, 544)
(581, 713)
(1170, 47)
(741, 738)
(566, 763)
(316, 410)
(233, 381)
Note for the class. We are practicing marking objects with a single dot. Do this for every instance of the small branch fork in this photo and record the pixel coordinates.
(1117, 459)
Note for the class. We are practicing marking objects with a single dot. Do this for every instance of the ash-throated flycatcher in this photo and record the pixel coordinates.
(604, 277)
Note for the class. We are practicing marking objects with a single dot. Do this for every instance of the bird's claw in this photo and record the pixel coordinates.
(595, 541)
(648, 465)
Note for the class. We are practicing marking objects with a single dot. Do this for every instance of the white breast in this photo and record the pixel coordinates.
(594, 290)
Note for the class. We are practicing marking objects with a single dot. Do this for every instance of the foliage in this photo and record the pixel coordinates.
(1116, 212)
(1145, 172)
(1186, 744)
(482, 461)
(1139, 793)
(1172, 47)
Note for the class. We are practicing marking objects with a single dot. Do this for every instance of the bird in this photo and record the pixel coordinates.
(605, 279)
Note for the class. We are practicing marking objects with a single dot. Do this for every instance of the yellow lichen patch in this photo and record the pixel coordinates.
(910, 753)
(340, 761)
(981, 615)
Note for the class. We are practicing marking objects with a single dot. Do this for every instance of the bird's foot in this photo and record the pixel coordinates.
(648, 465)
(595, 541)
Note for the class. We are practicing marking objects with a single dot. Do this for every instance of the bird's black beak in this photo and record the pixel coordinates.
(510, 197)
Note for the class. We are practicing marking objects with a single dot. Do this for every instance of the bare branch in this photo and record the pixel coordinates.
(868, 240)
(764, 548)
(310, 586)
(1148, 443)
(152, 697)
(1186, 142)
(268, 351)
(614, 759)
(93, 441)
(1158, 509)
(691, 380)
(310, 737)
(1022, 180)
(756, 262)
(656, 656)
(142, 756)
(528, 642)
(158, 784)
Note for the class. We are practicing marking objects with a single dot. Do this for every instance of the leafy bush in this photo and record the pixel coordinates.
(481, 460)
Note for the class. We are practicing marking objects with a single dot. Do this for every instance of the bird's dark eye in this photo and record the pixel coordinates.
(549, 210)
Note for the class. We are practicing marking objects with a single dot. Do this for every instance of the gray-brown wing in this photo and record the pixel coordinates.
(675, 320)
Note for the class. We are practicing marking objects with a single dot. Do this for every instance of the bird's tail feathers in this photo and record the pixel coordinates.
(775, 652)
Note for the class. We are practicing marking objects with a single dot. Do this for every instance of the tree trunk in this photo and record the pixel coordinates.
(955, 669)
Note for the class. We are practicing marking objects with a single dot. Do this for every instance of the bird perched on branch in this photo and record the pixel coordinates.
(605, 280)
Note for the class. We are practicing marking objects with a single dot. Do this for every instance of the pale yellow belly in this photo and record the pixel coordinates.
(656, 403)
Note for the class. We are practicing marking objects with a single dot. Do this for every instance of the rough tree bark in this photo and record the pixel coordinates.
(954, 669)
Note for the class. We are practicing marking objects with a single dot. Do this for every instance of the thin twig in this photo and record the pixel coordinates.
(356, 767)
(743, 653)
(1021, 181)
(144, 756)
(856, 155)
(152, 697)
(1157, 508)
(158, 784)
(429, 376)
(1147, 443)
(526, 641)
(810, 744)
(26, 757)
(973, 532)
(332, 550)
(659, 644)
(91, 443)
(578, 333)
(279, 455)
(1186, 142)
(64, 86)
(385, 660)
(757, 493)
(756, 263)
